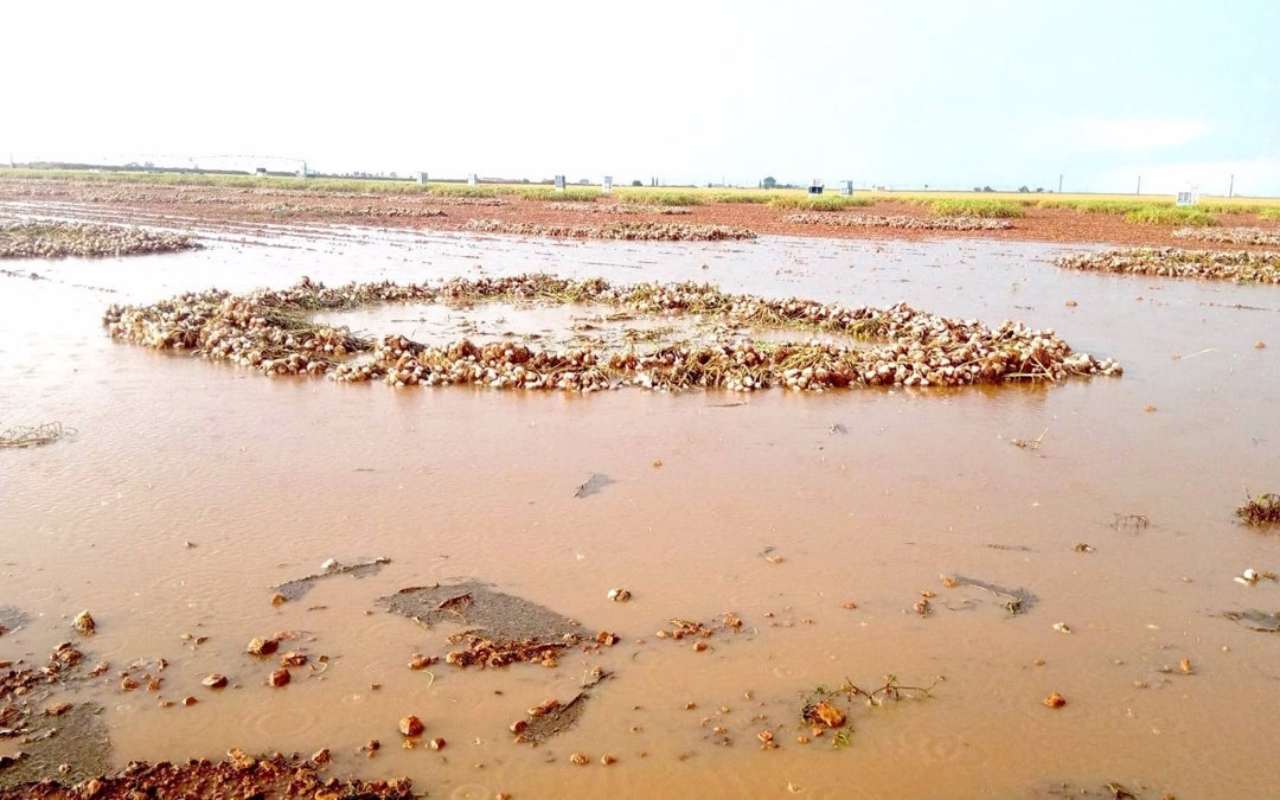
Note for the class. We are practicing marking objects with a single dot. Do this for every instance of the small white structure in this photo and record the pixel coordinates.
(606, 185)
(422, 179)
(302, 170)
(1189, 197)
(559, 183)
(848, 187)
(473, 179)
(815, 187)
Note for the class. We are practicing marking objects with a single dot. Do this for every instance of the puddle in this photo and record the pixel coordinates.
(259, 473)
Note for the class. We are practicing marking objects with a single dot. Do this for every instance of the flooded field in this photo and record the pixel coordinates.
(187, 492)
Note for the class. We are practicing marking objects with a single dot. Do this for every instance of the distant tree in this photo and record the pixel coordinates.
(1024, 189)
(769, 182)
(1039, 189)
(637, 183)
(987, 189)
(977, 188)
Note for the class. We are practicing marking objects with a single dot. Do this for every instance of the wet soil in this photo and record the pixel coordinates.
(479, 608)
(268, 478)
(235, 208)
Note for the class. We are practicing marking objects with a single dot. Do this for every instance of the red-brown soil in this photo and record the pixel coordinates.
(215, 205)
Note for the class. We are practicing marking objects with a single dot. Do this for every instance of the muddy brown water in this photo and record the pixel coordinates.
(868, 496)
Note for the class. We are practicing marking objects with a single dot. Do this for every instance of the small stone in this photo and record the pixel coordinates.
(262, 647)
(280, 677)
(580, 759)
(1062, 627)
(293, 659)
(189, 701)
(214, 681)
(411, 726)
(544, 708)
(437, 743)
(519, 726)
(1055, 700)
(57, 709)
(608, 759)
(420, 662)
(619, 595)
(321, 757)
(1185, 666)
(128, 684)
(278, 599)
(84, 623)
(1260, 345)
(699, 646)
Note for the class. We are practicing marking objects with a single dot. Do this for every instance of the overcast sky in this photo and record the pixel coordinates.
(945, 93)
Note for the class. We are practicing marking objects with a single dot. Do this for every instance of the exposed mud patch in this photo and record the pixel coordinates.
(77, 739)
(561, 717)
(482, 610)
(241, 776)
(298, 587)
(11, 619)
(1255, 619)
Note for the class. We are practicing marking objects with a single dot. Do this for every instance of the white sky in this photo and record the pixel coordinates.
(945, 93)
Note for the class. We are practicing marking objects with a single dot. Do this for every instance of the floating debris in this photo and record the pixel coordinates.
(269, 331)
(628, 231)
(1243, 266)
(901, 222)
(61, 239)
(24, 436)
(1264, 509)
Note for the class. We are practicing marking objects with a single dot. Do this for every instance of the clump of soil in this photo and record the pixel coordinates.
(276, 776)
(1242, 266)
(1263, 509)
(270, 332)
(628, 231)
(298, 587)
(901, 222)
(1241, 235)
(60, 239)
(499, 628)
(553, 717)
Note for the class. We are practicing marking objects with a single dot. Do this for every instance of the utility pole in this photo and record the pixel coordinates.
(1139, 184)
(1231, 187)
(1059, 183)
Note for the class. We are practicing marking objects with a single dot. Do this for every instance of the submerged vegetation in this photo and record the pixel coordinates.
(1263, 509)
(62, 239)
(1243, 266)
(269, 331)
